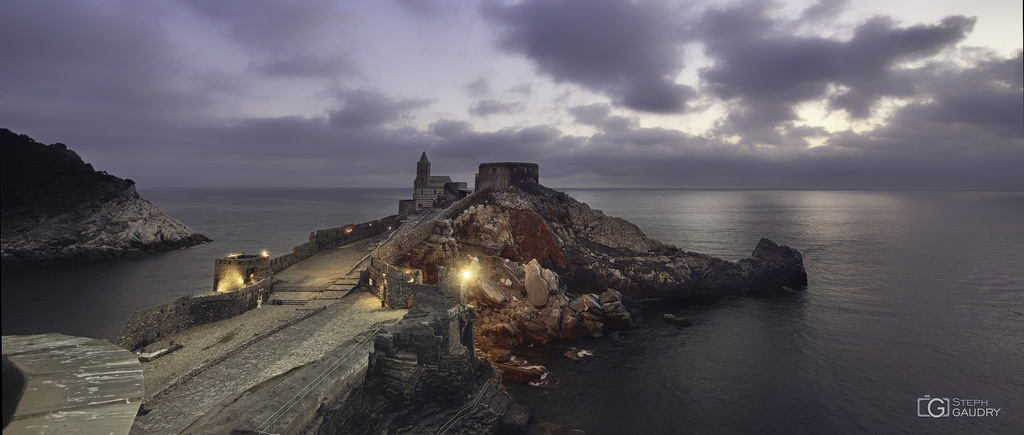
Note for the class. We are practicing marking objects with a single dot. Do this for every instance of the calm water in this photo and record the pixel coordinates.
(910, 293)
(96, 300)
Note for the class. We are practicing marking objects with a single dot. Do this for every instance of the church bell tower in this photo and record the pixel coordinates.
(422, 171)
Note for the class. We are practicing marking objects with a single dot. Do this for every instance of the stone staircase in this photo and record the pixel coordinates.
(290, 294)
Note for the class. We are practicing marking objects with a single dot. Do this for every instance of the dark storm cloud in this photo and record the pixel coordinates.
(459, 141)
(97, 76)
(103, 78)
(424, 7)
(87, 52)
(365, 108)
(824, 10)
(975, 112)
(269, 24)
(767, 71)
(599, 115)
(307, 65)
(478, 87)
(490, 107)
(627, 50)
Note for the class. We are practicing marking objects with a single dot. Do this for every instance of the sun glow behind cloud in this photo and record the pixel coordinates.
(627, 91)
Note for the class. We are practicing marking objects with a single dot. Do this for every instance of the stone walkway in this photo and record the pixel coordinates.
(221, 361)
(71, 385)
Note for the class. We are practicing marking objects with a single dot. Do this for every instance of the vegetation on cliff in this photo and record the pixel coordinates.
(58, 209)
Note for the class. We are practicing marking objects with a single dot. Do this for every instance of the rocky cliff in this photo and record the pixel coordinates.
(57, 209)
(547, 267)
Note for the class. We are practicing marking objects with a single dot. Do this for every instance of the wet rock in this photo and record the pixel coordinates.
(524, 374)
(577, 354)
(588, 303)
(618, 317)
(676, 320)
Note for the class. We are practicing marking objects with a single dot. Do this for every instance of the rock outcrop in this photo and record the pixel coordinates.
(57, 209)
(548, 267)
(425, 377)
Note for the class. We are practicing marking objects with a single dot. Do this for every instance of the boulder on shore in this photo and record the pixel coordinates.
(676, 320)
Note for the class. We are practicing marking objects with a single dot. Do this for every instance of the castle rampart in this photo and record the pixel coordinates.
(239, 270)
(503, 174)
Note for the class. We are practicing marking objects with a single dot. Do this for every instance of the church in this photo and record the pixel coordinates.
(430, 191)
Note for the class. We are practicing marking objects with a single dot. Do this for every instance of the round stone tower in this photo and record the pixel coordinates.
(504, 174)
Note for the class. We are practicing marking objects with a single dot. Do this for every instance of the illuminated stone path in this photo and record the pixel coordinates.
(236, 355)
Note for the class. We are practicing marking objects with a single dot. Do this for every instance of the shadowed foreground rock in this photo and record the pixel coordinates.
(424, 377)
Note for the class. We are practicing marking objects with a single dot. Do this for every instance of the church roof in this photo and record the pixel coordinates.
(439, 180)
(423, 158)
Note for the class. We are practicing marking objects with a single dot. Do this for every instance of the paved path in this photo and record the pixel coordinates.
(240, 353)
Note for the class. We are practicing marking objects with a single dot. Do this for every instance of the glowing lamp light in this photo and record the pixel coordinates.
(466, 274)
(265, 253)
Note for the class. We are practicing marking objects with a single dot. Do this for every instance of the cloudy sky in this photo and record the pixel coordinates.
(605, 93)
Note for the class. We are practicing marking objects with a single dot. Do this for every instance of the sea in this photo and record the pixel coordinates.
(911, 321)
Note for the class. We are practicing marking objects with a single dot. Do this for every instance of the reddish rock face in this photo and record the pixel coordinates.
(534, 240)
(519, 235)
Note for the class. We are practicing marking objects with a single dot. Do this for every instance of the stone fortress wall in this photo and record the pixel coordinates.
(503, 174)
(237, 271)
(150, 324)
(330, 238)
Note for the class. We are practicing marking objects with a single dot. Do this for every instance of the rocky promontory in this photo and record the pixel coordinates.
(547, 267)
(58, 209)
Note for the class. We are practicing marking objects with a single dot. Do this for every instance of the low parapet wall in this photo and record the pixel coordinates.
(332, 238)
(151, 324)
(392, 285)
(402, 244)
(398, 287)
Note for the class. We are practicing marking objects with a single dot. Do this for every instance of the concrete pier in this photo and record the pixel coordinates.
(70, 385)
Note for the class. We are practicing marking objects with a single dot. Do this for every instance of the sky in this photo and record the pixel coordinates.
(830, 94)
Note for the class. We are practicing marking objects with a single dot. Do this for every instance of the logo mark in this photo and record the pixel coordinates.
(934, 407)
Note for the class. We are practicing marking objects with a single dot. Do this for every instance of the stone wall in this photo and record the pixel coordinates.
(504, 174)
(394, 286)
(150, 324)
(238, 270)
(332, 238)
(398, 287)
(403, 243)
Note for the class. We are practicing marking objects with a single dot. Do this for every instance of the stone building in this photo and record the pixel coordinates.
(430, 191)
(504, 174)
(238, 270)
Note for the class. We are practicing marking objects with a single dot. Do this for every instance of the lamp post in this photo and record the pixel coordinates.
(466, 276)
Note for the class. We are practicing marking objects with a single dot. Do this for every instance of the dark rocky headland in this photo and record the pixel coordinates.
(546, 267)
(57, 209)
